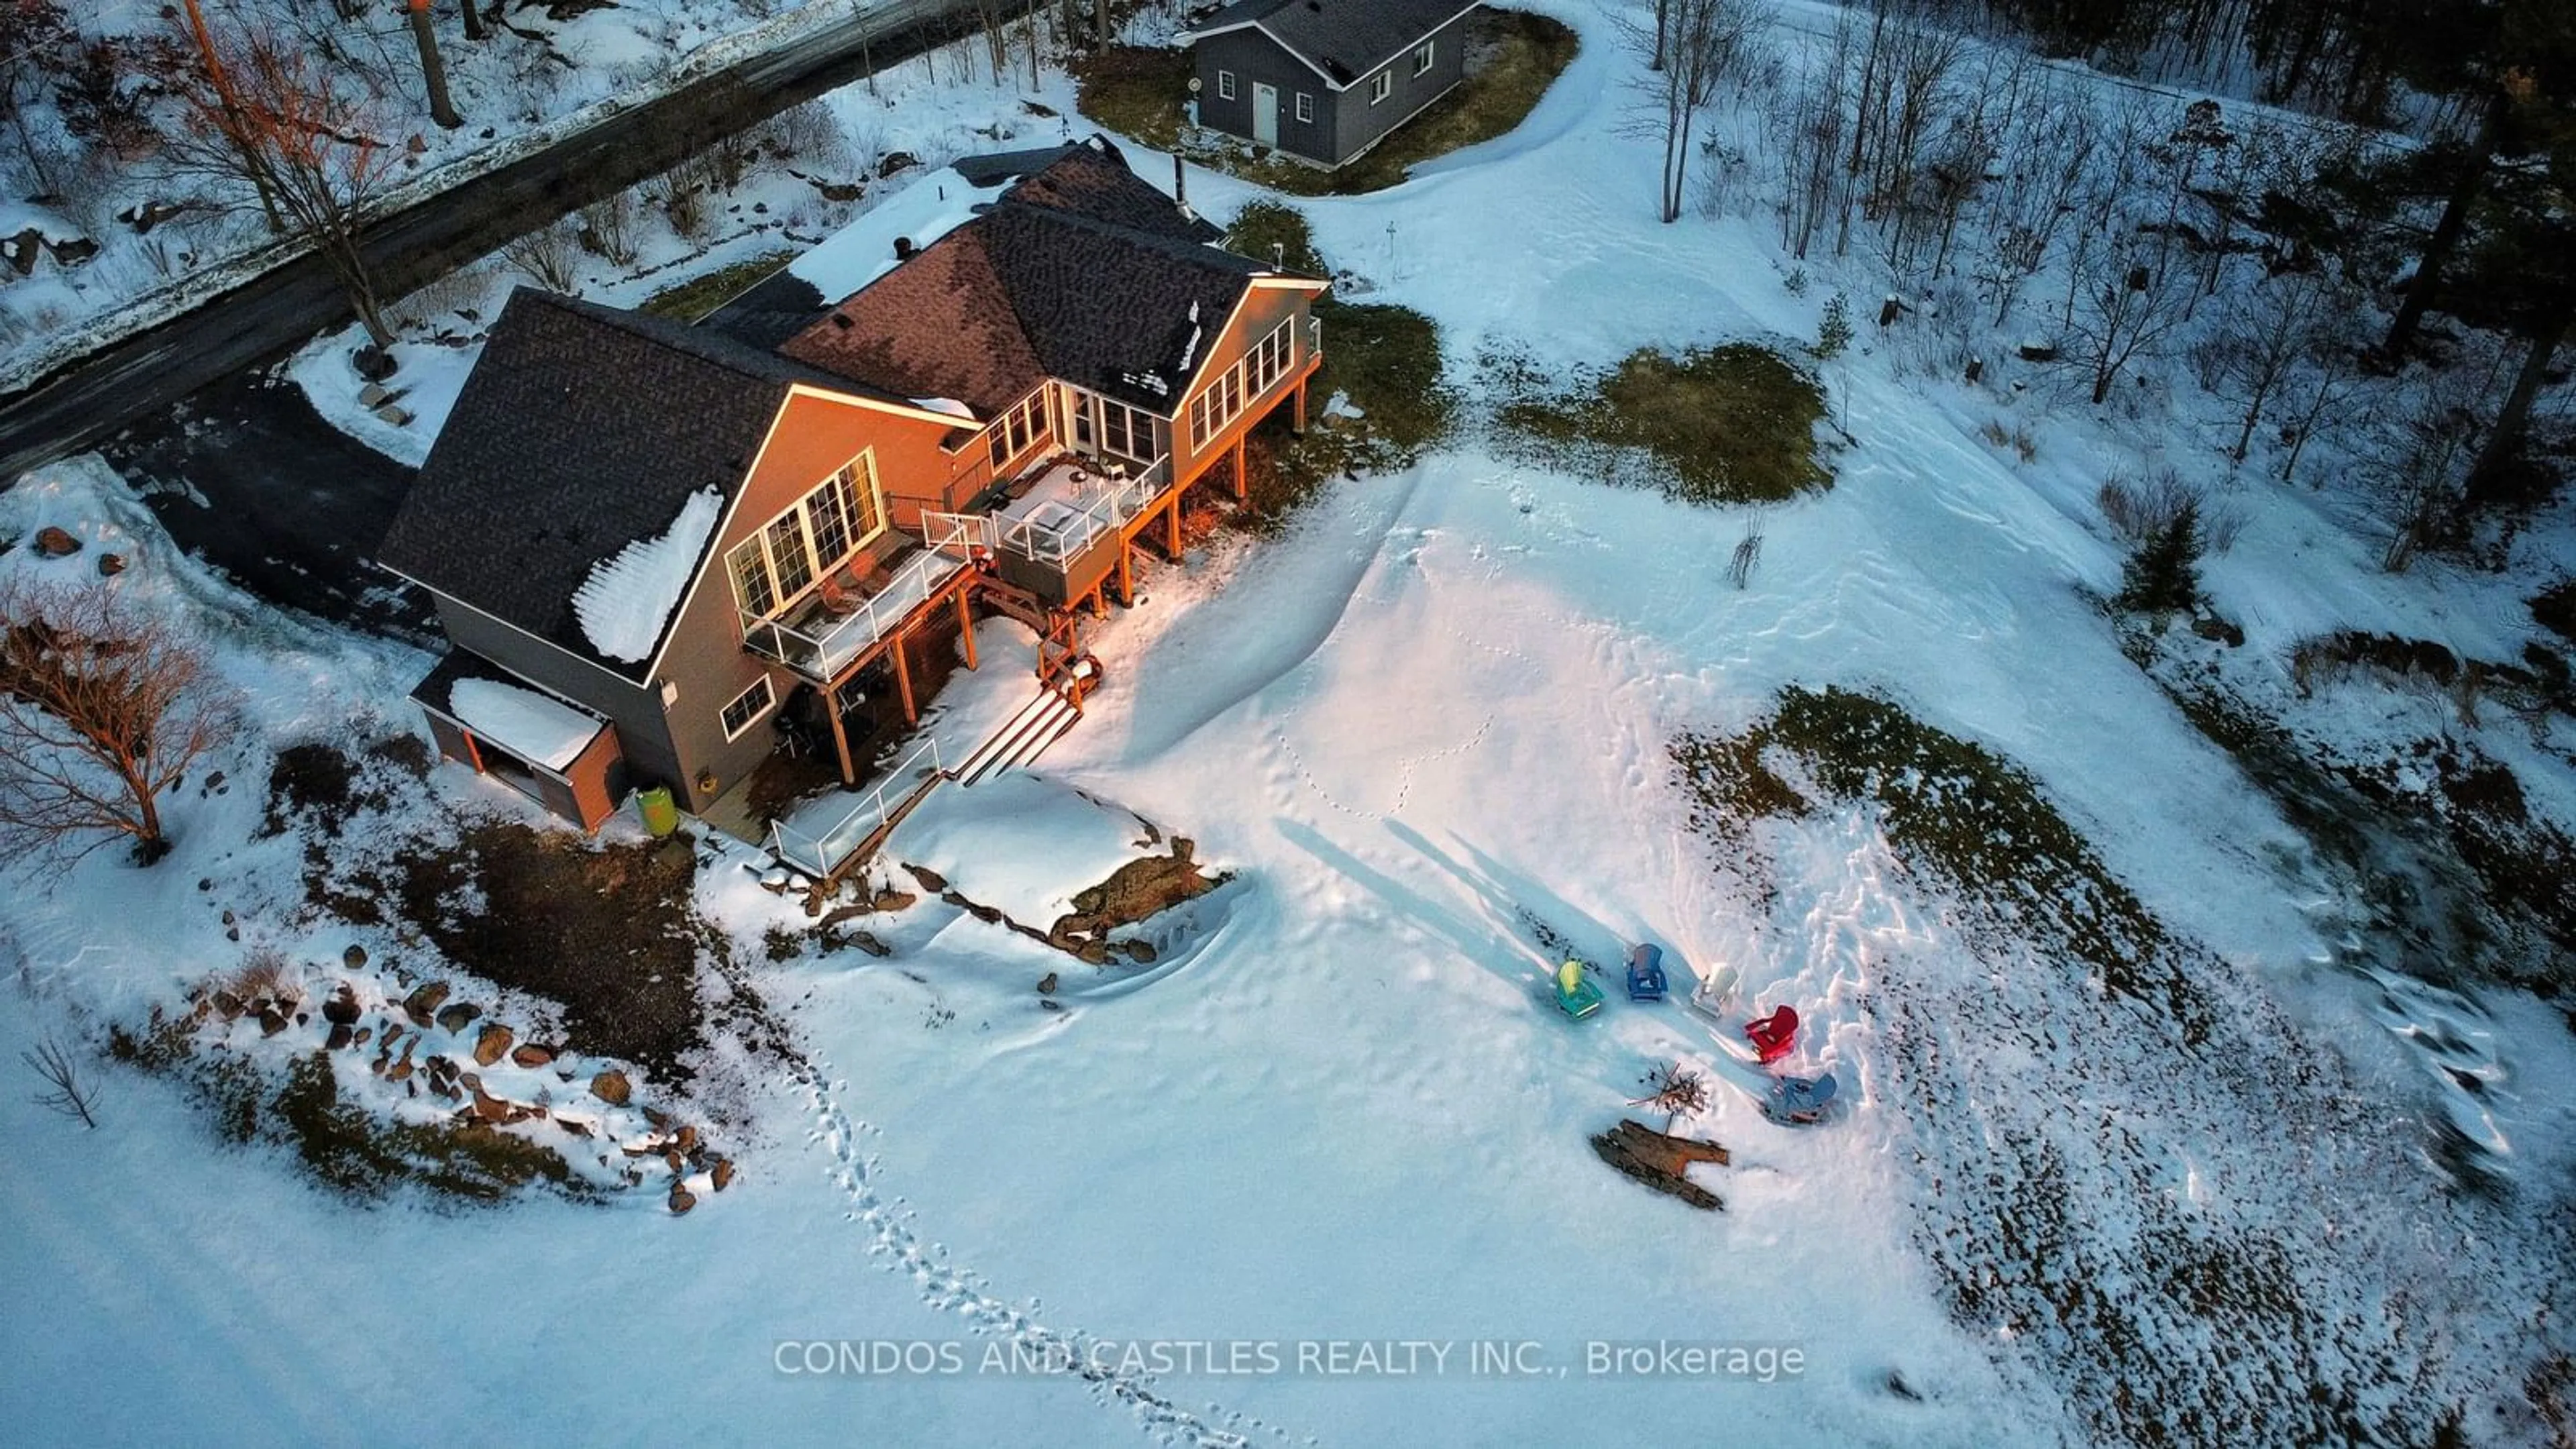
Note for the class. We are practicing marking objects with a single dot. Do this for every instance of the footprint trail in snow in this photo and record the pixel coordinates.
(958, 1290)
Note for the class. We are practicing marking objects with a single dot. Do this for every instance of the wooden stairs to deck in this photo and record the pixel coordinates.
(1022, 738)
(1057, 706)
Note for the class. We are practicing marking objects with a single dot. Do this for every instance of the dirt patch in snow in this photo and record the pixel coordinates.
(606, 931)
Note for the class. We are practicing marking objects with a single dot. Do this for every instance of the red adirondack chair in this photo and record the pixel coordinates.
(1773, 1036)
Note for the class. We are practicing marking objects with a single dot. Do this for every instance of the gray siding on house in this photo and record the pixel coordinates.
(1255, 57)
(1346, 122)
(1362, 125)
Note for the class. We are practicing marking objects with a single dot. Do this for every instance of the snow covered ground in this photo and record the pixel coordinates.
(1337, 1106)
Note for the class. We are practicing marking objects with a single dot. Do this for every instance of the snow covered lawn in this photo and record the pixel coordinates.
(1432, 719)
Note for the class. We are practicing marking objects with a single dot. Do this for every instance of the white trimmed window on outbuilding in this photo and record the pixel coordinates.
(1422, 57)
(1382, 87)
(1225, 85)
(1305, 107)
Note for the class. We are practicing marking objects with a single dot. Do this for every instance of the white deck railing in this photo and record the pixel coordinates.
(1075, 524)
(821, 852)
(822, 645)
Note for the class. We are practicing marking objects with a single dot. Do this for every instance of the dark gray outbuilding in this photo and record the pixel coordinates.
(1326, 79)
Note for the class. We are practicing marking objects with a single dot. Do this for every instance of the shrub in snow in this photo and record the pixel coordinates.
(2162, 575)
(102, 708)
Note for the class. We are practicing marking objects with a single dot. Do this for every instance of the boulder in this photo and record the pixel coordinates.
(1046, 984)
(491, 1045)
(71, 251)
(687, 1141)
(894, 161)
(1140, 952)
(339, 1039)
(271, 1022)
(612, 1088)
(341, 1009)
(424, 1001)
(110, 565)
(722, 1173)
(2218, 630)
(355, 958)
(459, 1016)
(488, 1107)
(682, 1200)
(530, 1055)
(374, 395)
(365, 1035)
(53, 542)
(23, 249)
(870, 944)
(395, 414)
(931, 880)
(894, 900)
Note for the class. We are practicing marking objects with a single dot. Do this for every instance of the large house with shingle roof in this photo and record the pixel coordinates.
(1324, 80)
(663, 551)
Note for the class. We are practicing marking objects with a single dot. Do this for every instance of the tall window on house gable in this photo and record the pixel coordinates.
(1305, 106)
(1015, 430)
(838, 518)
(1220, 401)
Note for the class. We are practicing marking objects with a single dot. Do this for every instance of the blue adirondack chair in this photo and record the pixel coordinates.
(1802, 1100)
(1646, 973)
(1576, 996)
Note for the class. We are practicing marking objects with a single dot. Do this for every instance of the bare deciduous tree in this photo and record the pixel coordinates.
(102, 708)
(262, 113)
(71, 1096)
(2268, 332)
(1700, 46)
(2129, 308)
(433, 71)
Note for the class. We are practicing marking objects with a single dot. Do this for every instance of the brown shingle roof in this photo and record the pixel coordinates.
(1082, 272)
(581, 429)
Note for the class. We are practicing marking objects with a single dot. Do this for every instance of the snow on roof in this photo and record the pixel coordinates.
(863, 251)
(948, 405)
(524, 722)
(627, 601)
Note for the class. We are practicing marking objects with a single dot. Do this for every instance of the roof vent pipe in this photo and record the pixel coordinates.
(903, 249)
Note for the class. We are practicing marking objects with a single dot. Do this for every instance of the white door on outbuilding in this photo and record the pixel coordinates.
(1265, 114)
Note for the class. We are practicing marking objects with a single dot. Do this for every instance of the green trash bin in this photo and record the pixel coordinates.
(661, 813)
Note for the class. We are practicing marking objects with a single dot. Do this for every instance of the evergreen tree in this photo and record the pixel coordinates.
(1834, 333)
(2162, 575)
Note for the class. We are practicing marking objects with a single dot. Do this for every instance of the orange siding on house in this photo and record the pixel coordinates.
(1263, 309)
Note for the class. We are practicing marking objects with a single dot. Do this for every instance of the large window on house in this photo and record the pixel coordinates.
(747, 707)
(1014, 431)
(1220, 401)
(809, 540)
(1422, 57)
(1126, 431)
(1382, 86)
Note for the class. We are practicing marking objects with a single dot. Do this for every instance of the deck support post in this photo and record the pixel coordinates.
(1297, 423)
(903, 682)
(840, 737)
(966, 627)
(1242, 485)
(1172, 526)
(1126, 573)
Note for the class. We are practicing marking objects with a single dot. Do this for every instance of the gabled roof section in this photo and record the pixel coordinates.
(1342, 39)
(940, 325)
(581, 430)
(1082, 272)
(1091, 179)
